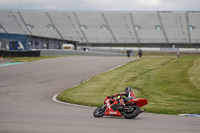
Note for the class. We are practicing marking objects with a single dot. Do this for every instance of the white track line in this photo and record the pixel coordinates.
(191, 115)
(77, 105)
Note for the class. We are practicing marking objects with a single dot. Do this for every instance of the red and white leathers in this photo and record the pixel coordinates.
(129, 94)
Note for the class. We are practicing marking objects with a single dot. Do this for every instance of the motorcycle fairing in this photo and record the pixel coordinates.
(139, 102)
(109, 110)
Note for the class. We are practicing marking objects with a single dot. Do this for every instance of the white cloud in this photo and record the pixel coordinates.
(149, 2)
(102, 4)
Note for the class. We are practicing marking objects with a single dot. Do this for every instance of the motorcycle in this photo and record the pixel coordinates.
(112, 107)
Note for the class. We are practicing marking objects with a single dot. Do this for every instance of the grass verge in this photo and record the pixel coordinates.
(171, 85)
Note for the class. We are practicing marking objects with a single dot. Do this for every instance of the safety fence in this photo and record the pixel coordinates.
(14, 53)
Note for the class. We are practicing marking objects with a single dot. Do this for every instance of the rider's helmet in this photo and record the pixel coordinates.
(128, 89)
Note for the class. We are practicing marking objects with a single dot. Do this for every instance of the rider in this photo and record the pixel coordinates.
(128, 93)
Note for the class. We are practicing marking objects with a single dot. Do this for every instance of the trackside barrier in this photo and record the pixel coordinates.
(77, 52)
(14, 53)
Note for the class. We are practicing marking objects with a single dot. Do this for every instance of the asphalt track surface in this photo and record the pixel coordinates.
(26, 104)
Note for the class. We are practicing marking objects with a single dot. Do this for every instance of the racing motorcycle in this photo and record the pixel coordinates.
(112, 107)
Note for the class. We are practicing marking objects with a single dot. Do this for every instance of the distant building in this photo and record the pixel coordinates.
(31, 42)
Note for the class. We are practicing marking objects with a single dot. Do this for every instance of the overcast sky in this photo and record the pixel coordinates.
(138, 5)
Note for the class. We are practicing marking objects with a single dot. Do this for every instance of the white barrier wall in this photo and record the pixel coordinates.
(77, 52)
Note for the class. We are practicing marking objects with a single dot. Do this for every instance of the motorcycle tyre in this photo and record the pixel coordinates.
(101, 113)
(132, 115)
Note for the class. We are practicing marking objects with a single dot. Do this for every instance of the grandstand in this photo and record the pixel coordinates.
(160, 29)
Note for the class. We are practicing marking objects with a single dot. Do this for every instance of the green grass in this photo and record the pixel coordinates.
(171, 85)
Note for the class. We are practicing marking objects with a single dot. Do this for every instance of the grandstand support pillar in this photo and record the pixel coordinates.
(54, 25)
(80, 27)
(161, 23)
(81, 38)
(188, 31)
(104, 17)
(24, 22)
(75, 45)
(132, 21)
(3, 28)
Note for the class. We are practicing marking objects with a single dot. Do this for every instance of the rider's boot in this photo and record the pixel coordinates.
(142, 110)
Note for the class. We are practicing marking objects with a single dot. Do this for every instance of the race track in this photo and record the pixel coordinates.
(26, 104)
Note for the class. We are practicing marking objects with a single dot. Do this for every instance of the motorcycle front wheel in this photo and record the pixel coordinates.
(133, 113)
(99, 112)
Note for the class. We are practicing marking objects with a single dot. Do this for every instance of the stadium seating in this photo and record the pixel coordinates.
(94, 22)
(175, 27)
(11, 23)
(115, 27)
(39, 22)
(194, 19)
(148, 32)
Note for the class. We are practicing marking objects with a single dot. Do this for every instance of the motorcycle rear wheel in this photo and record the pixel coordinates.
(132, 114)
(99, 112)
